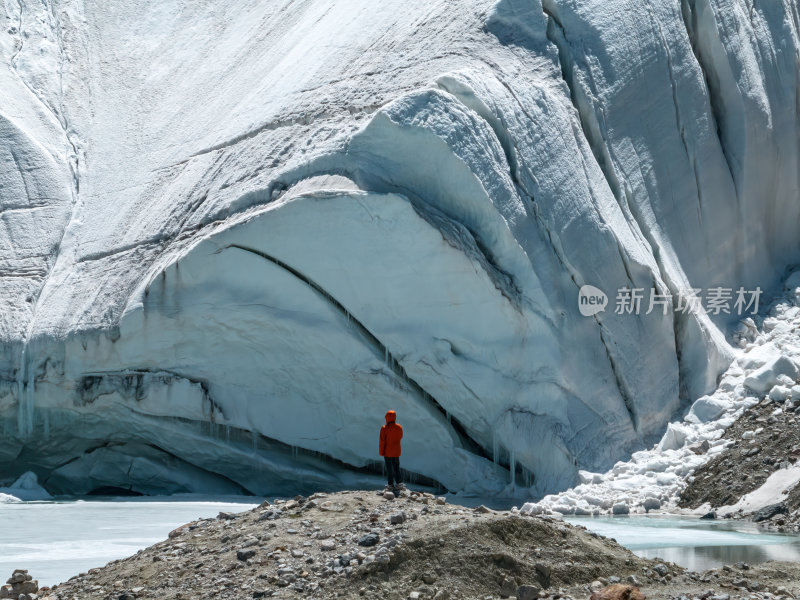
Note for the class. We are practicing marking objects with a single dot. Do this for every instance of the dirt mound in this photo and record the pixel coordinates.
(495, 555)
(360, 544)
(364, 545)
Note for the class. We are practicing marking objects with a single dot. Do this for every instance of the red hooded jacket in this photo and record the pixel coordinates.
(391, 434)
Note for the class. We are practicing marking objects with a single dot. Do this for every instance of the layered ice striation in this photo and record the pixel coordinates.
(235, 234)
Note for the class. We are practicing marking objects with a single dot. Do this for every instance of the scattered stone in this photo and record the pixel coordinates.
(709, 515)
(661, 569)
(618, 591)
(371, 539)
(245, 554)
(528, 592)
(508, 588)
(543, 573)
(398, 518)
(700, 448)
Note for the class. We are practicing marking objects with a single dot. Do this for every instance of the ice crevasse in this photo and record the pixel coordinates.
(233, 236)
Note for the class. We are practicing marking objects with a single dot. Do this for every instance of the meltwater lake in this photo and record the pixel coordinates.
(694, 543)
(56, 540)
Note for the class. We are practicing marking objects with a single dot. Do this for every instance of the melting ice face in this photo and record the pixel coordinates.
(223, 262)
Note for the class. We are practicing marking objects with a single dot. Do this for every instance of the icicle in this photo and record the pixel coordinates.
(513, 468)
(495, 448)
(29, 401)
(46, 423)
(21, 392)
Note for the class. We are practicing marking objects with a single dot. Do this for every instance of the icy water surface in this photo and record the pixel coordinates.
(56, 540)
(693, 543)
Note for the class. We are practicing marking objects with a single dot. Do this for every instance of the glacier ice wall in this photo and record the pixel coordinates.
(234, 235)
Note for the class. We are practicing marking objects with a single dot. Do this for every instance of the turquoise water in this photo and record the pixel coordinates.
(56, 540)
(692, 543)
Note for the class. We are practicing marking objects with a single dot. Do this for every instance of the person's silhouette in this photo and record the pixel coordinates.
(389, 448)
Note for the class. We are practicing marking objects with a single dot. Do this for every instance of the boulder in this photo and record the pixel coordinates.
(769, 511)
(508, 588)
(528, 592)
(700, 448)
(371, 539)
(245, 554)
(618, 591)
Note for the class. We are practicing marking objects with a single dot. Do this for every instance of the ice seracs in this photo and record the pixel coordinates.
(25, 488)
(653, 479)
(233, 236)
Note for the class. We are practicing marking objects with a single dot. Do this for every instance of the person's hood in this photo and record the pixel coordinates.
(391, 417)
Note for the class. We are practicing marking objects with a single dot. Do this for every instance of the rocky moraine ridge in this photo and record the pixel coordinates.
(415, 546)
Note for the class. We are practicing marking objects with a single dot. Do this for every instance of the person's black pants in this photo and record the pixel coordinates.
(393, 470)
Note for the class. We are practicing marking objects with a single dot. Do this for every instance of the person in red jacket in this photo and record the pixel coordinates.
(389, 448)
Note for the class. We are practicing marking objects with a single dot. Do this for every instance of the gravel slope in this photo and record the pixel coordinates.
(360, 544)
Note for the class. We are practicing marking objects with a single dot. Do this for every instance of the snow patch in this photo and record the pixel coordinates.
(772, 491)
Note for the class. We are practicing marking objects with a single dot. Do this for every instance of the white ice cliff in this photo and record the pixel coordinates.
(235, 234)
